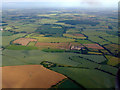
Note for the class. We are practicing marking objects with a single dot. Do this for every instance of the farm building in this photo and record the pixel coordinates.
(75, 48)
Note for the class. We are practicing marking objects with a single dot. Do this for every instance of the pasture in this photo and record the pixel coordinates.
(90, 75)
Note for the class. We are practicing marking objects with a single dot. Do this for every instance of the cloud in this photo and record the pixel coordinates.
(91, 2)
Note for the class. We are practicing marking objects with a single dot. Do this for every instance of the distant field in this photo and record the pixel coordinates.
(71, 31)
(31, 43)
(41, 38)
(47, 21)
(54, 39)
(7, 33)
(7, 39)
(95, 58)
(53, 45)
(94, 46)
(24, 41)
(114, 48)
(84, 41)
(74, 36)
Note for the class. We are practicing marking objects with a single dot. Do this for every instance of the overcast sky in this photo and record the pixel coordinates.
(70, 3)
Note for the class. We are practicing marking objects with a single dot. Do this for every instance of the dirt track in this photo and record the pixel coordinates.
(29, 76)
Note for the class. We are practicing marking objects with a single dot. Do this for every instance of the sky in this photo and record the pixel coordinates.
(66, 3)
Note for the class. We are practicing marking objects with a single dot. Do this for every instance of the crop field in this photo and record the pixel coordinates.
(74, 36)
(53, 45)
(27, 75)
(105, 37)
(32, 43)
(83, 41)
(28, 57)
(27, 28)
(54, 39)
(112, 60)
(95, 58)
(24, 41)
(94, 46)
(71, 31)
(112, 47)
(79, 35)
(91, 75)
(34, 35)
(47, 21)
(7, 33)
(113, 39)
(49, 29)
(95, 53)
(7, 39)
(19, 47)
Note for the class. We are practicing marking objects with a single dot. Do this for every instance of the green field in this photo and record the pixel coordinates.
(83, 41)
(35, 57)
(31, 44)
(91, 79)
(54, 39)
(19, 47)
(72, 36)
(7, 39)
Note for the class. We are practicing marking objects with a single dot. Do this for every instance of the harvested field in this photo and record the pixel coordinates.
(29, 76)
(24, 41)
(93, 46)
(53, 45)
(79, 35)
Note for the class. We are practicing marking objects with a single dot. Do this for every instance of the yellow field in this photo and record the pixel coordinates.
(94, 53)
(112, 60)
(54, 39)
(41, 38)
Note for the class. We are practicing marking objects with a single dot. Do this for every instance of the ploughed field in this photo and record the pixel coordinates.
(29, 76)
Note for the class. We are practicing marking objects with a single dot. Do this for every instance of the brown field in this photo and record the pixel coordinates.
(29, 76)
(24, 41)
(80, 35)
(93, 46)
(113, 48)
(53, 45)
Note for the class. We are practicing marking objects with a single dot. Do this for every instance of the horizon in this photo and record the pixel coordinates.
(60, 4)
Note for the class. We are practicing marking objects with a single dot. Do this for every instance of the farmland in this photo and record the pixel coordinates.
(31, 73)
(59, 48)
